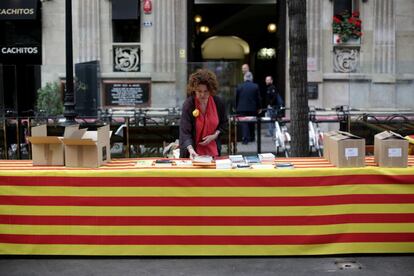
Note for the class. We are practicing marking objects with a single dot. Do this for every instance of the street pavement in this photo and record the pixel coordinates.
(366, 265)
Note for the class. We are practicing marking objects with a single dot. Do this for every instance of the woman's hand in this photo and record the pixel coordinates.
(207, 139)
(192, 152)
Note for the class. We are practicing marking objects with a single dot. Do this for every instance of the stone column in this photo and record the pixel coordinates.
(88, 12)
(314, 21)
(164, 35)
(384, 37)
(181, 50)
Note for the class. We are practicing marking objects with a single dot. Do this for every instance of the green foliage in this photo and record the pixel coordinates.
(49, 100)
(347, 25)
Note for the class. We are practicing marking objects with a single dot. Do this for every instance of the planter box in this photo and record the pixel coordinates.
(351, 41)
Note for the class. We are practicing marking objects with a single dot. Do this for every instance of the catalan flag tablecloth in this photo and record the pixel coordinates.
(119, 210)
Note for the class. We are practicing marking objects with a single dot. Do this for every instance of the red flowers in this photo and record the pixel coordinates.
(347, 26)
(336, 20)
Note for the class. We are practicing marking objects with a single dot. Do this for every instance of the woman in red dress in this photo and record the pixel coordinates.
(203, 116)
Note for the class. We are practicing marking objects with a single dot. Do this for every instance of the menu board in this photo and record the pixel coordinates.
(127, 93)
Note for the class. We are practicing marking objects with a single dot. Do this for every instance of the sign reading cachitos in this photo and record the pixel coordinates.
(19, 50)
(26, 54)
(18, 9)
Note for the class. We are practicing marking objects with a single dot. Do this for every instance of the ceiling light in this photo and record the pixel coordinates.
(198, 18)
(204, 29)
(271, 28)
(266, 53)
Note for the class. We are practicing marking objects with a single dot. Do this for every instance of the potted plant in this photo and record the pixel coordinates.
(49, 100)
(346, 27)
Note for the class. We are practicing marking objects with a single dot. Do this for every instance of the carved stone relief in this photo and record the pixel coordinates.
(346, 59)
(127, 59)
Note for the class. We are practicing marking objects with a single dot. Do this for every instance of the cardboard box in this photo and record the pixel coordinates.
(390, 150)
(46, 150)
(87, 149)
(347, 150)
(326, 141)
(410, 139)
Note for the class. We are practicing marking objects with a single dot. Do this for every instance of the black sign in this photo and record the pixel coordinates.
(87, 97)
(127, 93)
(20, 54)
(18, 9)
(125, 9)
(312, 90)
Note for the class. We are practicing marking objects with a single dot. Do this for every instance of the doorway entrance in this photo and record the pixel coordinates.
(255, 24)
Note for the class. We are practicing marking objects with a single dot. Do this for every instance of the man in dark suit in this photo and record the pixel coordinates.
(274, 102)
(247, 103)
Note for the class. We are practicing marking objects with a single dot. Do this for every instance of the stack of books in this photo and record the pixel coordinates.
(205, 161)
(236, 159)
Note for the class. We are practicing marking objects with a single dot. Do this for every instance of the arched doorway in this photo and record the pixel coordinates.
(224, 47)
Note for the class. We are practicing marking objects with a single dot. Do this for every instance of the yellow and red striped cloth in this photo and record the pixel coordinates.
(120, 209)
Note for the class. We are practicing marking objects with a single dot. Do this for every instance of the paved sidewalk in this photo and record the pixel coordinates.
(375, 265)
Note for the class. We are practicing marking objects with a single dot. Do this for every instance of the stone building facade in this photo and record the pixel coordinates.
(375, 72)
(162, 47)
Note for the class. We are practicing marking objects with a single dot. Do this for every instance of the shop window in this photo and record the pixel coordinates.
(126, 30)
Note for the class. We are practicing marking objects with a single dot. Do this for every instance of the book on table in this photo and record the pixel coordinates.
(252, 159)
(163, 163)
(262, 166)
(284, 165)
(242, 166)
(223, 164)
(144, 163)
(183, 163)
(203, 159)
(266, 157)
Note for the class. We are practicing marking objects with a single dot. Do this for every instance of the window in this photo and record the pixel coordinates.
(126, 21)
(126, 30)
(345, 5)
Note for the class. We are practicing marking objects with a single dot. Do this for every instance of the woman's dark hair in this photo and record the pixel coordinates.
(202, 76)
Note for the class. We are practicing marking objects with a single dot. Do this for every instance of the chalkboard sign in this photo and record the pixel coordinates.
(312, 90)
(127, 93)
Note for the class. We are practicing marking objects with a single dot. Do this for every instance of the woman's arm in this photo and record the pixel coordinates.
(186, 126)
(223, 120)
(187, 129)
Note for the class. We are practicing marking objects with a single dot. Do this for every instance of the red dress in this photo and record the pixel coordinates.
(206, 124)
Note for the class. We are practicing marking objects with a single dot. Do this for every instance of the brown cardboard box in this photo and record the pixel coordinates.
(390, 150)
(326, 141)
(46, 150)
(410, 139)
(88, 149)
(347, 150)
